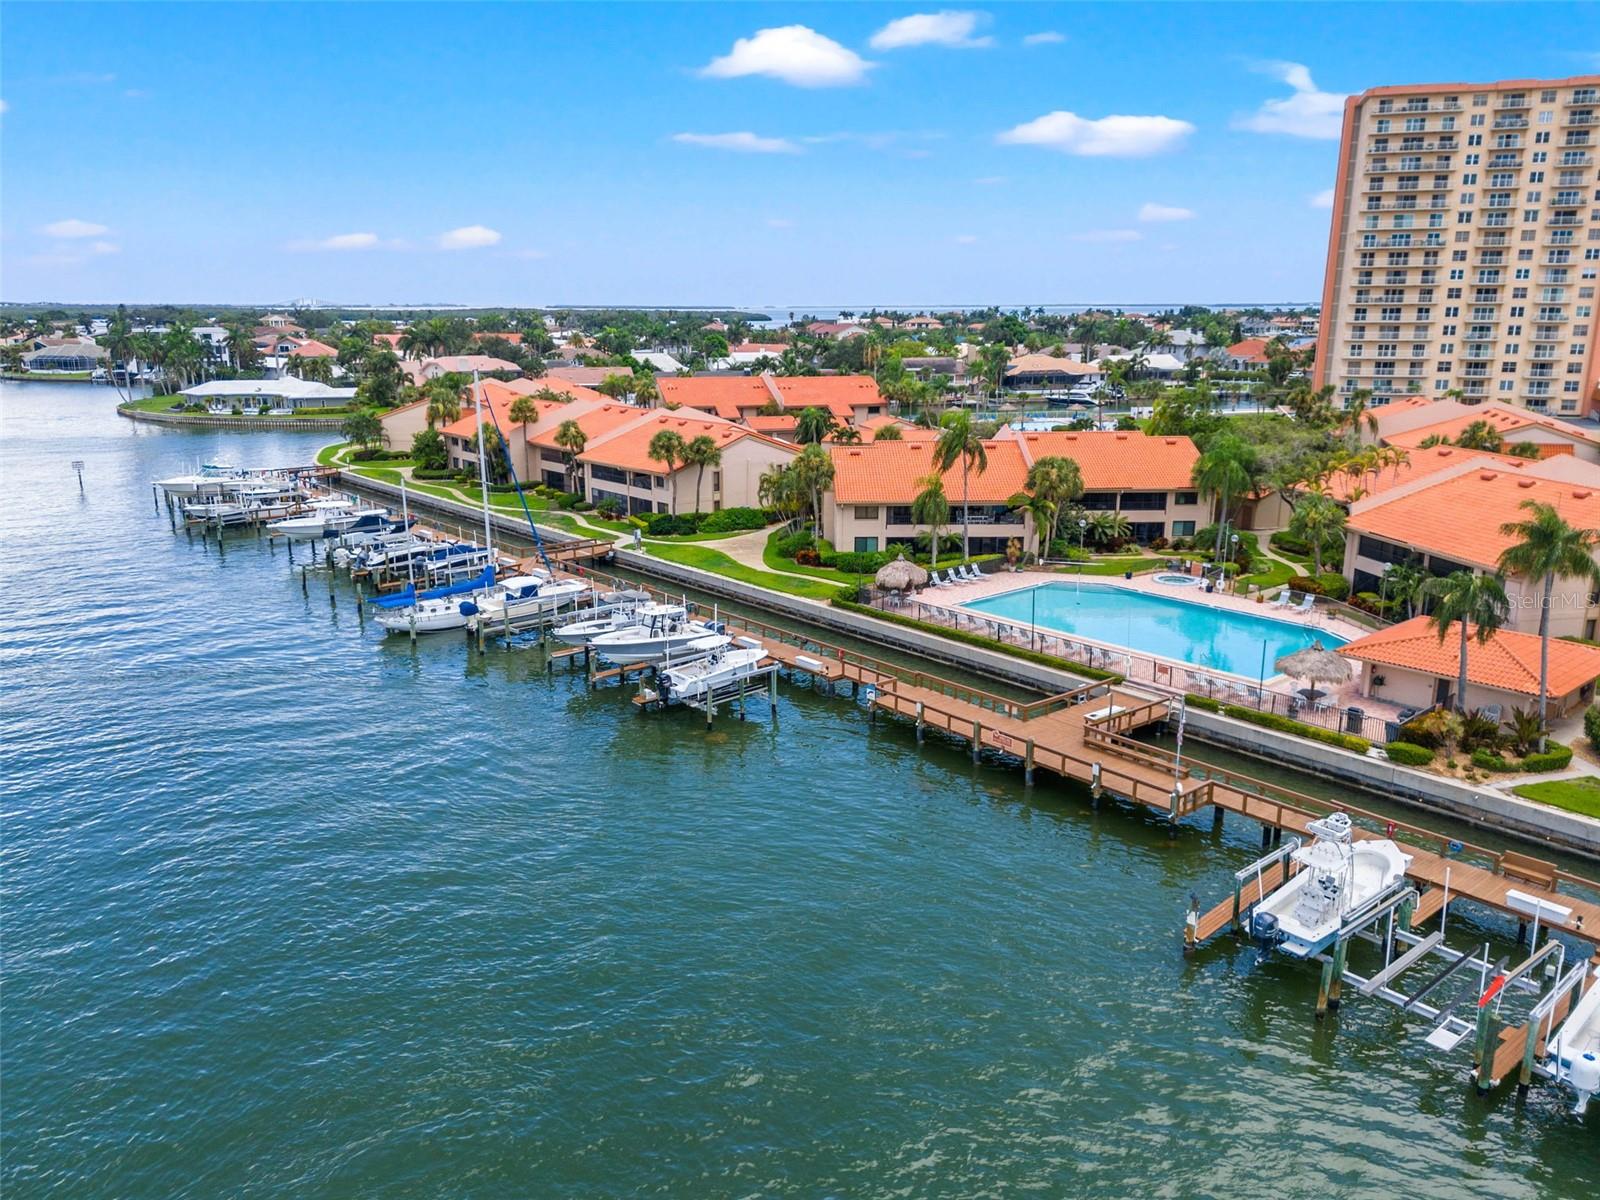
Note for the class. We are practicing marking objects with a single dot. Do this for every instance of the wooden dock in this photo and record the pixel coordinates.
(1083, 735)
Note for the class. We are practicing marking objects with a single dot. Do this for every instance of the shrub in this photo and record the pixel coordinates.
(567, 500)
(582, 506)
(1204, 703)
(1525, 728)
(808, 557)
(1555, 757)
(432, 473)
(789, 544)
(609, 508)
(1416, 733)
(730, 519)
(1591, 725)
(1315, 733)
(1488, 760)
(1480, 732)
(670, 525)
(860, 562)
(1408, 754)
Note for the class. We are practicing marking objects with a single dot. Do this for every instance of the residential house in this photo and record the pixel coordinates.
(923, 322)
(1409, 665)
(69, 356)
(463, 364)
(311, 348)
(618, 467)
(1451, 521)
(1050, 372)
(282, 395)
(1248, 355)
(589, 377)
(1412, 420)
(849, 399)
(1182, 344)
(279, 321)
(746, 354)
(838, 330)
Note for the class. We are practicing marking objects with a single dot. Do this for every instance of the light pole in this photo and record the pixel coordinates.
(1083, 531)
(1233, 555)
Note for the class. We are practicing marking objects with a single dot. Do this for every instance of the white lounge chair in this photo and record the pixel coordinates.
(1306, 605)
(937, 582)
(1283, 598)
(971, 573)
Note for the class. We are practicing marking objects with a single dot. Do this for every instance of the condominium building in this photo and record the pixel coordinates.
(1465, 244)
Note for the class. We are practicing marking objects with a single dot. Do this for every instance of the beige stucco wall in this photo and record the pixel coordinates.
(1416, 689)
(402, 424)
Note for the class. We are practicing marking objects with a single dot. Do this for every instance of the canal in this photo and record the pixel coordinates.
(291, 909)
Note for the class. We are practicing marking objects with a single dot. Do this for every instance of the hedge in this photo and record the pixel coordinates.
(845, 601)
(1555, 757)
(1591, 725)
(432, 473)
(730, 519)
(1315, 733)
(1408, 754)
(1488, 760)
(1206, 703)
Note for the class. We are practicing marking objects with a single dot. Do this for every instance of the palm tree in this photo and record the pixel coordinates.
(990, 365)
(645, 391)
(1405, 581)
(959, 440)
(1054, 482)
(776, 490)
(701, 452)
(888, 433)
(313, 369)
(1358, 415)
(813, 475)
(813, 425)
(444, 403)
(571, 438)
(413, 342)
(667, 447)
(931, 508)
(1225, 472)
(525, 412)
(1107, 526)
(1316, 521)
(1547, 546)
(846, 435)
(1464, 598)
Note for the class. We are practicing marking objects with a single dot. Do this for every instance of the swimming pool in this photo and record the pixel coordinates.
(1189, 631)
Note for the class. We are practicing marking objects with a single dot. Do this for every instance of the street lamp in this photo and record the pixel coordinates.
(1233, 554)
(1083, 532)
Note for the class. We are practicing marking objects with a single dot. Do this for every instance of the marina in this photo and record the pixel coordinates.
(1143, 871)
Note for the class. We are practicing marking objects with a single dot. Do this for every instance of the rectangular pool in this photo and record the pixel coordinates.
(1188, 631)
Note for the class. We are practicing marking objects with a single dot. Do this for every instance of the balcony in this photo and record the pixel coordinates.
(1565, 222)
(1576, 158)
(1583, 96)
(1513, 102)
(1510, 123)
(1584, 118)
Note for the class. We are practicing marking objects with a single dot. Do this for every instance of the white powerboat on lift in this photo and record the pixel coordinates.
(659, 632)
(1338, 875)
(612, 612)
(524, 596)
(1575, 1048)
(722, 667)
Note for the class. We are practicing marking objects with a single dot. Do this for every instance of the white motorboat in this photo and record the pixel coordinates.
(659, 631)
(1575, 1048)
(314, 523)
(349, 548)
(524, 596)
(725, 666)
(209, 478)
(243, 503)
(453, 561)
(609, 616)
(1337, 876)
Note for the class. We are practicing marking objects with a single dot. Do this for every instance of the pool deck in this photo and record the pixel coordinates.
(1168, 674)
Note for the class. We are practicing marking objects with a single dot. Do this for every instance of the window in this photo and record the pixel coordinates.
(1186, 498)
(866, 544)
(866, 512)
(1183, 529)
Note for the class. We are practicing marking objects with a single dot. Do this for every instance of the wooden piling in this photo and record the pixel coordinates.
(1340, 952)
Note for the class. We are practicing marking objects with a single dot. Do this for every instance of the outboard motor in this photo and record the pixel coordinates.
(1265, 926)
(1585, 1080)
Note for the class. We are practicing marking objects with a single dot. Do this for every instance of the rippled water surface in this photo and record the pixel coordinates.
(293, 911)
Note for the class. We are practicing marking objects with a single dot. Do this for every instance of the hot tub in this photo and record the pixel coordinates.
(1173, 580)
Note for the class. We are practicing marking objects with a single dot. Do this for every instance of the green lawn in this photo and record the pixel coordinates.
(1113, 566)
(720, 564)
(1581, 795)
(154, 403)
(1275, 574)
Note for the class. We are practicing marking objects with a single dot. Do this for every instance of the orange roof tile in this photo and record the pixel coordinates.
(1419, 464)
(1502, 419)
(311, 348)
(891, 473)
(729, 395)
(1115, 460)
(628, 446)
(596, 419)
(497, 402)
(1460, 517)
(724, 395)
(514, 339)
(776, 425)
(1508, 661)
(1254, 349)
(532, 387)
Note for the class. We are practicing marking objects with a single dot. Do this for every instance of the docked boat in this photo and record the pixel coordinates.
(1337, 876)
(454, 561)
(614, 611)
(659, 632)
(211, 477)
(435, 610)
(243, 503)
(1575, 1048)
(524, 596)
(721, 668)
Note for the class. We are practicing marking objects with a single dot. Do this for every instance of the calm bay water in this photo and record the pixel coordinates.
(292, 910)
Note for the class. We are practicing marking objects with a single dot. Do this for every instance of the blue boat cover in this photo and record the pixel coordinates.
(410, 595)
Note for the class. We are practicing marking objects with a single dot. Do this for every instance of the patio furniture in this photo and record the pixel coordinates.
(1283, 598)
(1493, 713)
(970, 573)
(1306, 605)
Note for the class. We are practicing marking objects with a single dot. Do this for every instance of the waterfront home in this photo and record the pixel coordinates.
(402, 424)
(1247, 355)
(1048, 371)
(545, 459)
(837, 330)
(311, 348)
(848, 399)
(1412, 420)
(67, 356)
(1146, 479)
(1407, 664)
(746, 354)
(589, 377)
(617, 466)
(923, 322)
(1451, 521)
(1182, 344)
(462, 364)
(660, 361)
(280, 395)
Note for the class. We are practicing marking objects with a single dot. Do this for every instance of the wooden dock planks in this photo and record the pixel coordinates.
(1508, 1056)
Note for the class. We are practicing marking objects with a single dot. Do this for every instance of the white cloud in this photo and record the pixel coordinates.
(1322, 199)
(349, 241)
(1165, 212)
(1114, 136)
(469, 237)
(991, 180)
(74, 228)
(1045, 37)
(743, 142)
(1108, 235)
(794, 54)
(966, 239)
(1308, 113)
(949, 28)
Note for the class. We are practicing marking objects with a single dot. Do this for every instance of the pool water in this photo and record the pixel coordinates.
(1189, 631)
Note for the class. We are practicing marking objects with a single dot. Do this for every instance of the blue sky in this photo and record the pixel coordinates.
(658, 154)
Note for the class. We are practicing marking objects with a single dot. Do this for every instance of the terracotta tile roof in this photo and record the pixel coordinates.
(311, 348)
(1508, 661)
(889, 473)
(1419, 464)
(532, 387)
(514, 339)
(391, 340)
(724, 395)
(471, 362)
(729, 395)
(1460, 517)
(628, 446)
(778, 426)
(596, 418)
(586, 376)
(1503, 419)
(1251, 349)
(773, 348)
(1115, 460)
(839, 394)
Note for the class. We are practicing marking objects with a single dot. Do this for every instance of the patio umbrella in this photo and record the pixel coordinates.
(1315, 664)
(900, 575)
